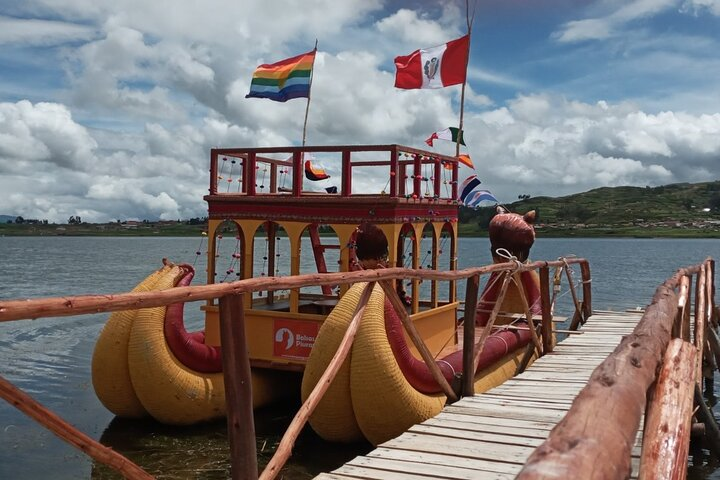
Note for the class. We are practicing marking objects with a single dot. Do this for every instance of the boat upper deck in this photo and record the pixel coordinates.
(382, 183)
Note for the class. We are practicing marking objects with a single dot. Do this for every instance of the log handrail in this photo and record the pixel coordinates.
(585, 444)
(231, 300)
(84, 304)
(45, 417)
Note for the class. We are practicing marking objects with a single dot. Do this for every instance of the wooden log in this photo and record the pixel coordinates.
(478, 346)
(714, 311)
(685, 329)
(700, 322)
(238, 388)
(48, 419)
(576, 320)
(546, 325)
(557, 276)
(666, 438)
(528, 316)
(705, 415)
(83, 304)
(586, 444)
(587, 289)
(288, 441)
(678, 329)
(472, 289)
(573, 293)
(709, 300)
(417, 340)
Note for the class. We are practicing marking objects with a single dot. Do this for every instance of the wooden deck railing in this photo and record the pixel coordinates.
(657, 370)
(236, 367)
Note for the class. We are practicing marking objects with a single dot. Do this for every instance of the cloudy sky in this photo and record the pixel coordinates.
(108, 109)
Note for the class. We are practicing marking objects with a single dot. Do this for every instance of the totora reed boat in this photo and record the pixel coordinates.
(264, 220)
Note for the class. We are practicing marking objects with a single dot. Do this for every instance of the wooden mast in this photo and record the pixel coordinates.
(307, 106)
(469, 19)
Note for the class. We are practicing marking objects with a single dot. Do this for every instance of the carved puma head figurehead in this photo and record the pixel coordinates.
(513, 232)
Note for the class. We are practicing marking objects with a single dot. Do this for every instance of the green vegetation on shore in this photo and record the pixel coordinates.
(681, 210)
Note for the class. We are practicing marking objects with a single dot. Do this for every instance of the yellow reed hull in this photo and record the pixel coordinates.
(370, 398)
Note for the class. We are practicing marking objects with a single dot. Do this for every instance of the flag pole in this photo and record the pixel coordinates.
(469, 20)
(307, 106)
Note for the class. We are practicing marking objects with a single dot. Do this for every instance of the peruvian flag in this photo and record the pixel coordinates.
(434, 67)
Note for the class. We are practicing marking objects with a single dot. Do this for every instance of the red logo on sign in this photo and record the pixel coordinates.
(294, 338)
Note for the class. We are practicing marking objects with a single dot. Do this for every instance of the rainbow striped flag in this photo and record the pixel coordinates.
(284, 80)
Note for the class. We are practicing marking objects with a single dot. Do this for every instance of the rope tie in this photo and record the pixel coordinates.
(504, 253)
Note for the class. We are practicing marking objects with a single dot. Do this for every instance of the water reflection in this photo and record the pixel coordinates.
(202, 451)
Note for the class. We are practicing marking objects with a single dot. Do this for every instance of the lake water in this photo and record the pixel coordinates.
(50, 358)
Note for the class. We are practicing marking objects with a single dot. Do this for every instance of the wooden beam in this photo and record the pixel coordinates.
(472, 288)
(666, 438)
(528, 316)
(238, 388)
(585, 444)
(686, 286)
(417, 340)
(45, 417)
(286, 443)
(82, 304)
(700, 322)
(587, 289)
(546, 325)
(487, 328)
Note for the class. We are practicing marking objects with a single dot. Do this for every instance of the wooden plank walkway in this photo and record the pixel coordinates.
(491, 435)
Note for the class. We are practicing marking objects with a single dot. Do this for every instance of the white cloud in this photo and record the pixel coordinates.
(548, 145)
(44, 132)
(610, 23)
(696, 7)
(414, 29)
(39, 32)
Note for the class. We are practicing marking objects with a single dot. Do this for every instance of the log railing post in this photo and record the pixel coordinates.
(700, 322)
(585, 444)
(714, 312)
(678, 326)
(556, 286)
(577, 319)
(472, 288)
(709, 301)
(686, 284)
(586, 289)
(238, 388)
(546, 326)
(666, 437)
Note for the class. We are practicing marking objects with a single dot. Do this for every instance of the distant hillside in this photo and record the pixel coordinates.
(617, 205)
(7, 218)
(615, 210)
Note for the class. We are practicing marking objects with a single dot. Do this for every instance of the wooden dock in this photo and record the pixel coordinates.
(491, 435)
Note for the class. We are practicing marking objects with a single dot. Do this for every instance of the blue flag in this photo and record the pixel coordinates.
(474, 199)
(467, 186)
